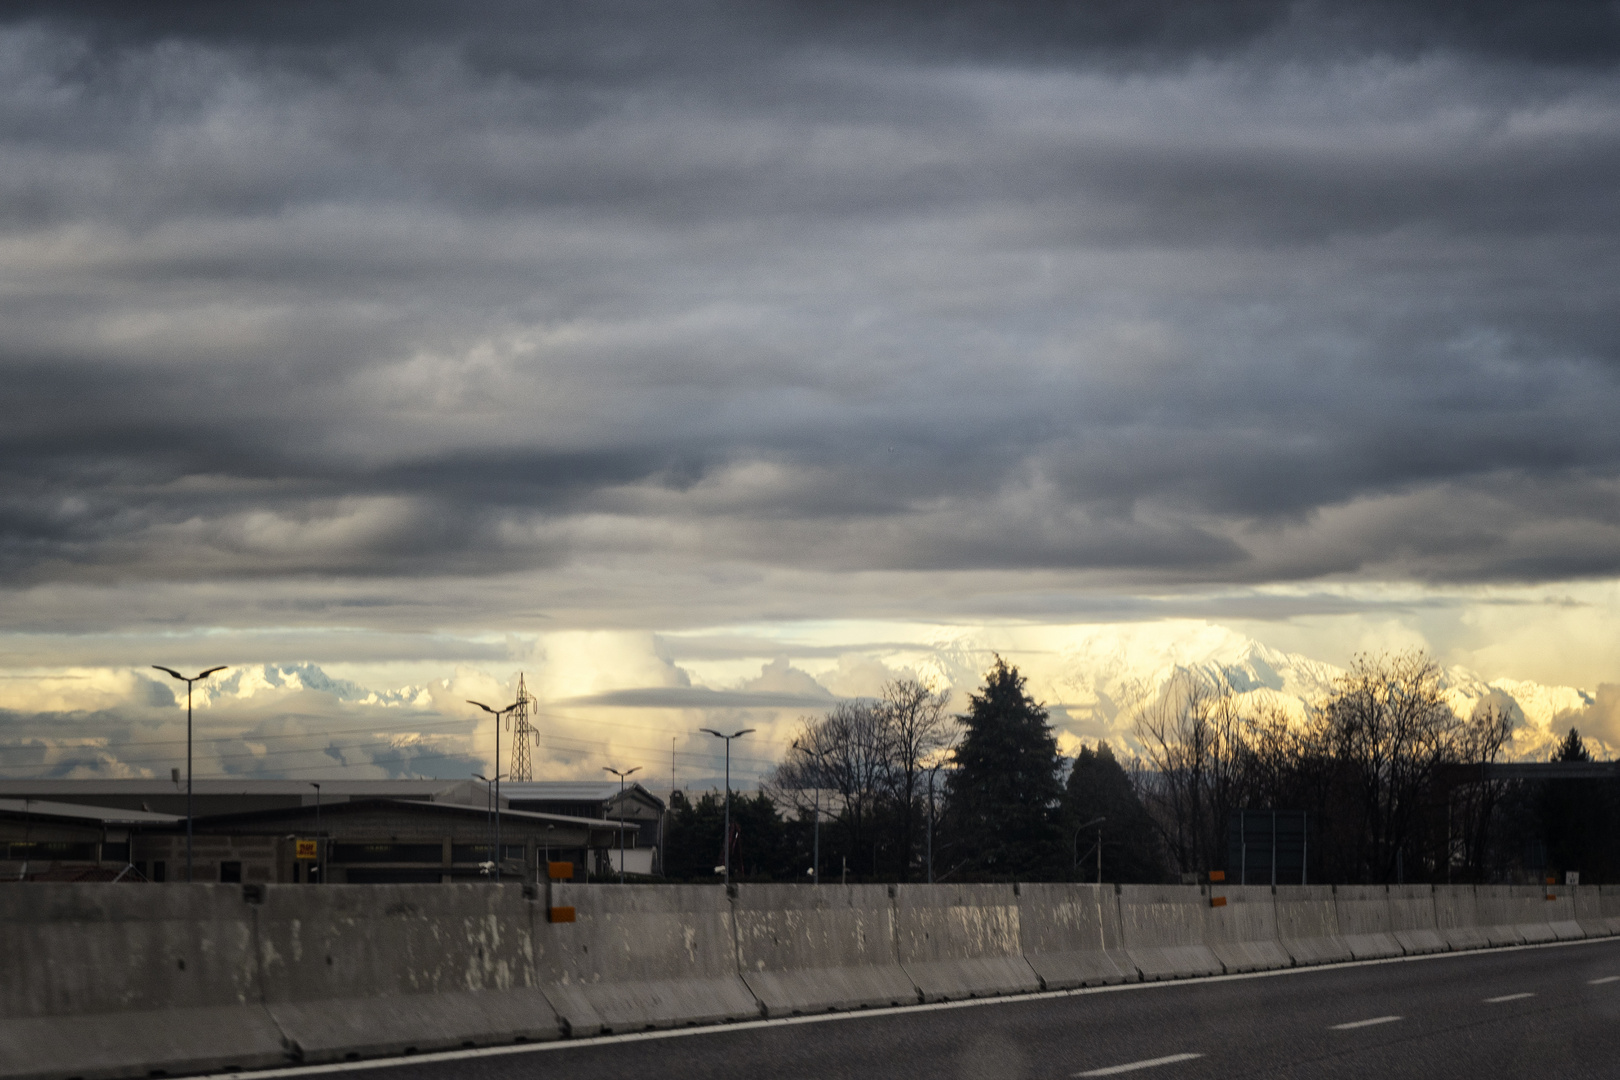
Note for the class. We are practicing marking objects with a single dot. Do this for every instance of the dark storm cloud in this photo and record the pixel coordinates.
(1168, 292)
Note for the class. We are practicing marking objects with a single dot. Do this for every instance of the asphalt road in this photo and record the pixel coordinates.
(1522, 1012)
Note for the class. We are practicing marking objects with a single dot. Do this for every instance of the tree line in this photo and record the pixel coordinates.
(1386, 778)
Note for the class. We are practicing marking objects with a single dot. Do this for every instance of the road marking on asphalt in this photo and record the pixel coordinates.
(1366, 1023)
(1506, 997)
(1600, 982)
(1114, 1070)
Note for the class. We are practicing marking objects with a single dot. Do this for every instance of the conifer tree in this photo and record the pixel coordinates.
(1004, 793)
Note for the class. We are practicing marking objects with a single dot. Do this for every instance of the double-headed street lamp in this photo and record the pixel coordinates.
(188, 682)
(497, 714)
(623, 776)
(727, 842)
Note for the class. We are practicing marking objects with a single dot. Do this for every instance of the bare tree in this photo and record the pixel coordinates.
(1390, 730)
(1193, 737)
(917, 731)
(845, 752)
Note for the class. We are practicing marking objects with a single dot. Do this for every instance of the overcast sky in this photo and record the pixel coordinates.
(384, 336)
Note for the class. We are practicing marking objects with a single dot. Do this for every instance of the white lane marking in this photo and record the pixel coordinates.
(1506, 997)
(1114, 1070)
(1605, 979)
(1366, 1023)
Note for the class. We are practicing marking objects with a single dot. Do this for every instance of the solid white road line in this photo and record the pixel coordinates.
(1365, 1023)
(1114, 1070)
(1506, 997)
(1605, 979)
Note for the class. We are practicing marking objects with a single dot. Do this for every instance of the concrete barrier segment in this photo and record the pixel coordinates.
(1560, 912)
(1162, 930)
(1070, 935)
(805, 949)
(388, 969)
(1242, 933)
(1308, 925)
(1456, 913)
(961, 941)
(1364, 921)
(642, 956)
(1588, 906)
(1609, 906)
(1514, 914)
(100, 981)
(1414, 919)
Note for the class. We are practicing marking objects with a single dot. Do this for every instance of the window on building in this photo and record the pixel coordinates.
(230, 873)
(160, 871)
(115, 853)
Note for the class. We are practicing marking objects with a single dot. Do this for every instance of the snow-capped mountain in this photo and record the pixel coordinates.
(1092, 678)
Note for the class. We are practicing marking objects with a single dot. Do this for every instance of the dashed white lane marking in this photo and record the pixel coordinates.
(1506, 997)
(1605, 979)
(1365, 1023)
(1114, 1070)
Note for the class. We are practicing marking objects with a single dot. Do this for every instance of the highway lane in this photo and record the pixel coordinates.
(1469, 1015)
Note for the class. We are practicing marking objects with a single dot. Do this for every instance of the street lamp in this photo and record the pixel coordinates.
(491, 809)
(320, 874)
(188, 682)
(623, 776)
(1077, 832)
(727, 842)
(815, 847)
(497, 714)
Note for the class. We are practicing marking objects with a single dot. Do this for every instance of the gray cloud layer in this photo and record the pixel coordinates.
(1169, 293)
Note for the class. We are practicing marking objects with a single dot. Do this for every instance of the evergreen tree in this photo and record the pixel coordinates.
(1098, 787)
(1004, 795)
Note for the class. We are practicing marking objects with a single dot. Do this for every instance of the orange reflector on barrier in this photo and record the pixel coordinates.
(562, 914)
(1217, 901)
(1217, 875)
(560, 871)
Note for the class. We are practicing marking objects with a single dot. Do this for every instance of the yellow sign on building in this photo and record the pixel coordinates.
(306, 849)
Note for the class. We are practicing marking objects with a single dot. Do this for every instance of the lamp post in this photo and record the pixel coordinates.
(492, 807)
(320, 874)
(1077, 832)
(726, 843)
(623, 776)
(497, 714)
(188, 682)
(815, 846)
(931, 774)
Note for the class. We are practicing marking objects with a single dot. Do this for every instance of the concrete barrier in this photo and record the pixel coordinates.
(1589, 911)
(806, 949)
(1414, 919)
(1308, 925)
(642, 956)
(1162, 929)
(1560, 913)
(1514, 914)
(1070, 935)
(351, 970)
(1457, 914)
(1242, 933)
(1364, 921)
(961, 941)
(1609, 906)
(100, 981)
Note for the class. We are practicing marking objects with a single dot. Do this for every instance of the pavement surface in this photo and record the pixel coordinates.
(1513, 1012)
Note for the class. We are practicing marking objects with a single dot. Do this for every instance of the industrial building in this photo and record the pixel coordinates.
(352, 831)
